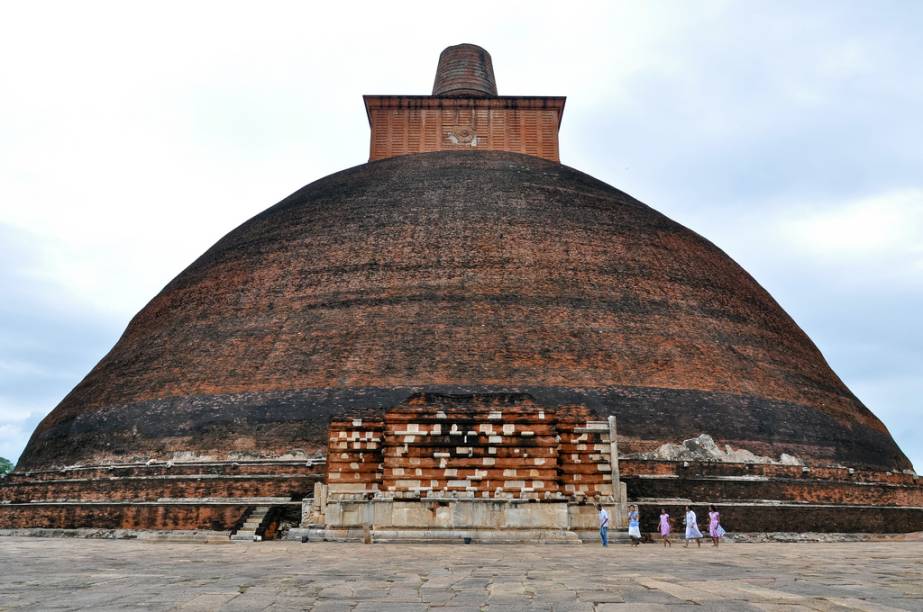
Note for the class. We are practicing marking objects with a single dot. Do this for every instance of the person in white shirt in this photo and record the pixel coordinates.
(603, 524)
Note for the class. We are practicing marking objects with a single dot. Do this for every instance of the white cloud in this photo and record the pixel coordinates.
(136, 136)
(16, 425)
(20, 368)
(888, 225)
(11, 412)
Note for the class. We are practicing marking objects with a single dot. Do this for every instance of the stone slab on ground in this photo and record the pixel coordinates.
(79, 574)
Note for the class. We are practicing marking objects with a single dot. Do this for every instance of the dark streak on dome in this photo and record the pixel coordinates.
(459, 272)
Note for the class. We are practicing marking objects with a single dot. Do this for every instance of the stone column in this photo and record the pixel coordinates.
(620, 510)
(313, 508)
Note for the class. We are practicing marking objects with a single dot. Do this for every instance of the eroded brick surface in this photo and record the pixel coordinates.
(790, 518)
(459, 272)
(122, 516)
(146, 483)
(500, 446)
(463, 273)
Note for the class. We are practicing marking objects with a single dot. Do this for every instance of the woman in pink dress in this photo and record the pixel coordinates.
(665, 528)
(715, 530)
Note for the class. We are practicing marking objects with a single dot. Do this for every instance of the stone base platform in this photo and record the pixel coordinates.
(454, 536)
(436, 536)
(545, 519)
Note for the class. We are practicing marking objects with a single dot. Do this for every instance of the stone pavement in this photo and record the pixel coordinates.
(69, 574)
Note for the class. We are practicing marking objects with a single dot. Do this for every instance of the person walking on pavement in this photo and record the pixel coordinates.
(665, 528)
(715, 530)
(692, 528)
(634, 525)
(603, 524)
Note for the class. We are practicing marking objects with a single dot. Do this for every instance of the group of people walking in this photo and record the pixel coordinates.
(665, 527)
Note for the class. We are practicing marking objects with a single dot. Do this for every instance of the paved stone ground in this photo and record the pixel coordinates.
(68, 574)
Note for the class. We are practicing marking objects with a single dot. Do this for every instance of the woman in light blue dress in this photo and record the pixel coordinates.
(634, 525)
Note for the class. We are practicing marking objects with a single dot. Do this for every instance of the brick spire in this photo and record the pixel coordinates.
(464, 113)
(465, 70)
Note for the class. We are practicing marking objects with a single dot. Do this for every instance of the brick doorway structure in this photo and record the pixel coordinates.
(481, 466)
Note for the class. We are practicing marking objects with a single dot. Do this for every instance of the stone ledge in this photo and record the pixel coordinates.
(170, 477)
(270, 501)
(178, 464)
(779, 479)
(438, 536)
(792, 537)
(214, 501)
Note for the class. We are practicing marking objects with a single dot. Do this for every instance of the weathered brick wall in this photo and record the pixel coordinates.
(222, 468)
(156, 481)
(791, 518)
(354, 455)
(484, 449)
(157, 487)
(458, 272)
(584, 457)
(126, 496)
(121, 516)
(401, 125)
(485, 446)
(801, 491)
(695, 469)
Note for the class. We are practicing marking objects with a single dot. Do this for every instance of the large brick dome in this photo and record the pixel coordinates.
(458, 272)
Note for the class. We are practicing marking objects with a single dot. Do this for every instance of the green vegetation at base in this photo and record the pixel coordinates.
(6, 466)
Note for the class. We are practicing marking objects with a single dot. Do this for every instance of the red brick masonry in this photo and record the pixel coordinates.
(401, 125)
(751, 497)
(491, 446)
(462, 272)
(458, 272)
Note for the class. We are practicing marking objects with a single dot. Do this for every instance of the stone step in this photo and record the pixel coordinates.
(252, 523)
(218, 539)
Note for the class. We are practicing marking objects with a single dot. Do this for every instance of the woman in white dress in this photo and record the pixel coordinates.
(692, 528)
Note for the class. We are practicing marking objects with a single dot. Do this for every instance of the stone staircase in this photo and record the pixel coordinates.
(253, 525)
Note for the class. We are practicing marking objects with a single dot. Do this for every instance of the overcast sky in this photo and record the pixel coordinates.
(133, 136)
